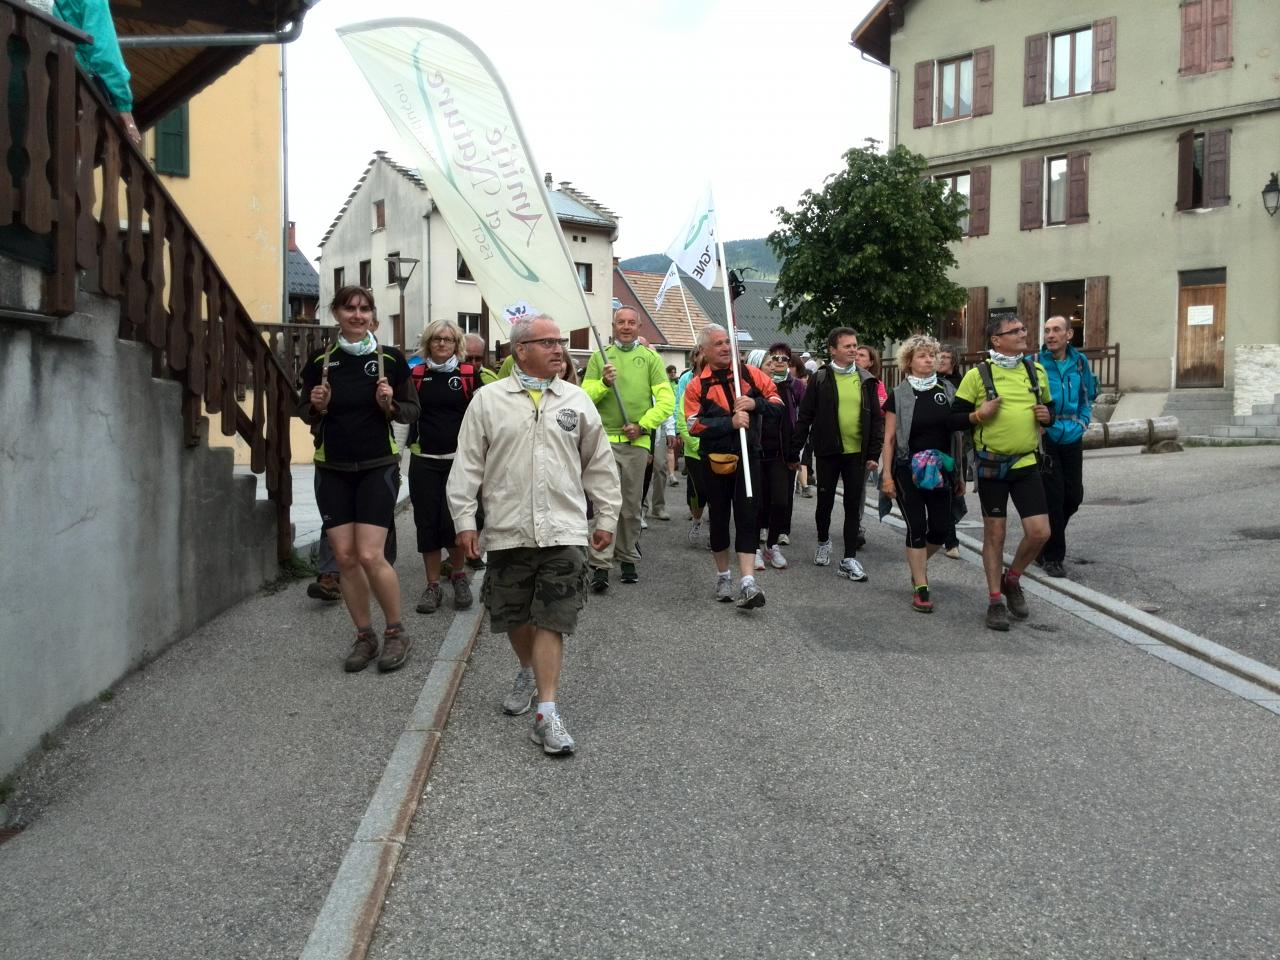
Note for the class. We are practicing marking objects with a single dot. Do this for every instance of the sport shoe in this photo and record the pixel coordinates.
(997, 617)
(673, 480)
(775, 557)
(822, 556)
(431, 599)
(599, 579)
(807, 492)
(759, 559)
(920, 600)
(461, 593)
(362, 651)
(644, 524)
(396, 645)
(784, 540)
(1054, 568)
(660, 513)
(1016, 599)
(476, 564)
(551, 734)
(325, 587)
(851, 568)
(629, 574)
(724, 589)
(523, 689)
(695, 533)
(750, 597)
(952, 552)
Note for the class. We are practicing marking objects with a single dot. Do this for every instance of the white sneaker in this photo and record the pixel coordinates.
(695, 533)
(852, 569)
(784, 540)
(549, 732)
(724, 589)
(644, 524)
(822, 556)
(523, 690)
(776, 559)
(759, 559)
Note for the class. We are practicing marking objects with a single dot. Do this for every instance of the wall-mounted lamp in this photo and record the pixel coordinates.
(1271, 195)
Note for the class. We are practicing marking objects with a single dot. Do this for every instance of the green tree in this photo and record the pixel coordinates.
(871, 250)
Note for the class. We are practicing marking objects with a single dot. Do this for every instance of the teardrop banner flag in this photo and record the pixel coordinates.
(455, 118)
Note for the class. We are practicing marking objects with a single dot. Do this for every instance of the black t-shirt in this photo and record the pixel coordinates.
(444, 396)
(929, 430)
(354, 429)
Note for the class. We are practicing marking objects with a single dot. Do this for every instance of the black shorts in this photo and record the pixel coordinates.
(544, 586)
(357, 496)
(427, 479)
(1023, 485)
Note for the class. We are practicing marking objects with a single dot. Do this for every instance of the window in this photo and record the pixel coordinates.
(584, 275)
(469, 322)
(580, 339)
(339, 279)
(959, 183)
(1071, 72)
(1206, 36)
(1204, 166)
(393, 268)
(955, 89)
(1056, 195)
(379, 214)
(1055, 190)
(464, 272)
(366, 274)
(173, 143)
(1066, 299)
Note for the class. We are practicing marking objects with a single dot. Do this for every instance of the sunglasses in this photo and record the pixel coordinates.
(779, 358)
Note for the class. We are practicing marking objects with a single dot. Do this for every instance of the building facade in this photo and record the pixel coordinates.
(1113, 156)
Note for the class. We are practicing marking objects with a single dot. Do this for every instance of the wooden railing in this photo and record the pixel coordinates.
(146, 255)
(292, 343)
(1103, 361)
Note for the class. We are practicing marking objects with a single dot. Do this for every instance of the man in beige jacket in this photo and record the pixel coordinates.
(532, 450)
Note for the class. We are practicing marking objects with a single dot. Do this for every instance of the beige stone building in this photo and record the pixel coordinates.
(1113, 153)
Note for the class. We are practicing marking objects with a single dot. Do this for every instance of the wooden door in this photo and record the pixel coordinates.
(1202, 335)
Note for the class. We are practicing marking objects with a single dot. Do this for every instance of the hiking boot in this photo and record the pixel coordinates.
(431, 599)
(461, 593)
(1054, 568)
(920, 600)
(446, 569)
(695, 533)
(395, 648)
(599, 579)
(629, 574)
(724, 589)
(362, 651)
(822, 556)
(325, 587)
(952, 552)
(759, 564)
(1016, 599)
(750, 597)
(673, 480)
(784, 540)
(852, 570)
(523, 689)
(549, 732)
(775, 557)
(660, 513)
(807, 491)
(997, 617)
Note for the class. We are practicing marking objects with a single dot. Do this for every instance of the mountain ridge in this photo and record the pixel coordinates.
(752, 256)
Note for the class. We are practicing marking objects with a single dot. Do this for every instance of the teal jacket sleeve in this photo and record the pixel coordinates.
(102, 57)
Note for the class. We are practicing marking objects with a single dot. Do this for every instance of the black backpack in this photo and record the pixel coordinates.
(988, 384)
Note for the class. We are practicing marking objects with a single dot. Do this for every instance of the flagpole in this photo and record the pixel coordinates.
(692, 333)
(733, 355)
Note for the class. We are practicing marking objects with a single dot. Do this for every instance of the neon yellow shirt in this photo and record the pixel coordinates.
(849, 410)
(1014, 428)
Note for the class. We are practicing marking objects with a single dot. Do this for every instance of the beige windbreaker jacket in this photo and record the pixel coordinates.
(533, 469)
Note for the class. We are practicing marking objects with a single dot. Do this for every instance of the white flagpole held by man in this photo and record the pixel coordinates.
(696, 251)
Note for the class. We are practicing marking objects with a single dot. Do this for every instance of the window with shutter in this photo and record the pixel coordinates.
(1055, 207)
(1104, 55)
(960, 183)
(1097, 308)
(1030, 216)
(983, 81)
(1071, 64)
(955, 89)
(1217, 168)
(980, 201)
(1218, 36)
(173, 144)
(1204, 169)
(1191, 56)
(1188, 176)
(1206, 36)
(924, 94)
(366, 274)
(1077, 188)
(1033, 83)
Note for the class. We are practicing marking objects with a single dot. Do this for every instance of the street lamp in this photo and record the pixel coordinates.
(402, 280)
(1271, 195)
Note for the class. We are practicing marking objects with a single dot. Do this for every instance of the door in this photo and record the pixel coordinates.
(1202, 334)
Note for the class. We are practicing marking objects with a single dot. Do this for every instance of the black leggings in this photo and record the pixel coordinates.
(773, 498)
(695, 489)
(927, 512)
(726, 493)
(851, 468)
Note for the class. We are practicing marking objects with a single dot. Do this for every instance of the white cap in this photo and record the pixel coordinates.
(811, 366)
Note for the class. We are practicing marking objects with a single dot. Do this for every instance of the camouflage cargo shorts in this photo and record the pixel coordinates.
(545, 586)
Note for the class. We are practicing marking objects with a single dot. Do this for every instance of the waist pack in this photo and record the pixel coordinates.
(994, 466)
(929, 469)
(723, 463)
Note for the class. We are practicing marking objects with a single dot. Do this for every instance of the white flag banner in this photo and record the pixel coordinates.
(694, 250)
(672, 279)
(455, 118)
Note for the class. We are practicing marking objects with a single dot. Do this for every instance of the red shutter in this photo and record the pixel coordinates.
(1217, 168)
(1097, 306)
(1191, 59)
(1029, 313)
(1219, 38)
(1031, 214)
(983, 81)
(1104, 55)
(1077, 188)
(1033, 81)
(979, 201)
(975, 325)
(924, 94)
(1186, 170)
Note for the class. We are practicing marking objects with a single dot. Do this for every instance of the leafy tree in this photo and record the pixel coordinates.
(870, 250)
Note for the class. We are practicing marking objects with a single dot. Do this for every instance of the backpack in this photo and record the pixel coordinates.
(984, 371)
(468, 372)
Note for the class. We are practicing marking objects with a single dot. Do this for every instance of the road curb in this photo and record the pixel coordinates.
(345, 926)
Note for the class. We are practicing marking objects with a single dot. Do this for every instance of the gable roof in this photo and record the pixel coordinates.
(300, 276)
(625, 294)
(379, 156)
(670, 319)
(872, 35)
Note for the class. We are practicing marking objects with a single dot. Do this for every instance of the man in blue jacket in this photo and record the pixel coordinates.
(1073, 387)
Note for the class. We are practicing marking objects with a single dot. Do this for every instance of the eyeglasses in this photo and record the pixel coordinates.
(1011, 330)
(779, 358)
(551, 343)
(442, 340)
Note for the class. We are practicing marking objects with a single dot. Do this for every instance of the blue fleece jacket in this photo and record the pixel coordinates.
(1073, 387)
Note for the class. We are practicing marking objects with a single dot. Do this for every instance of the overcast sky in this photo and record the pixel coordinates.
(605, 97)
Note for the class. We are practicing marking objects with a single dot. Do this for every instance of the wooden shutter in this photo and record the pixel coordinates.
(1031, 214)
(1097, 306)
(924, 94)
(1191, 58)
(1104, 55)
(1077, 187)
(1217, 168)
(975, 321)
(1029, 313)
(1218, 40)
(173, 144)
(1186, 170)
(979, 201)
(1034, 77)
(983, 81)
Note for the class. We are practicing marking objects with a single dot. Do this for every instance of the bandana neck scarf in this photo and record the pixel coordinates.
(360, 348)
(528, 382)
(779, 377)
(627, 347)
(845, 370)
(923, 383)
(447, 367)
(999, 359)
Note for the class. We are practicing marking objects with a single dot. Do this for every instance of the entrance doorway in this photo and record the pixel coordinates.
(1066, 299)
(1202, 328)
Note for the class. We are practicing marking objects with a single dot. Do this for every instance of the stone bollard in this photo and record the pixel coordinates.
(1158, 435)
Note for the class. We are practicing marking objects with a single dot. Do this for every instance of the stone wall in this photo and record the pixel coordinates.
(1257, 376)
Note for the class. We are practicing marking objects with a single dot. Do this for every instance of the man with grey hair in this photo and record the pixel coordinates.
(532, 449)
(477, 353)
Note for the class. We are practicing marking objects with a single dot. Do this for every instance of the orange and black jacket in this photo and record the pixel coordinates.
(708, 408)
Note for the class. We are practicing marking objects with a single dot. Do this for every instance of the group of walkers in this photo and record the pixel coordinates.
(555, 473)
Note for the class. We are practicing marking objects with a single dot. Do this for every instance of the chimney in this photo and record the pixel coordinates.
(293, 238)
(547, 180)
